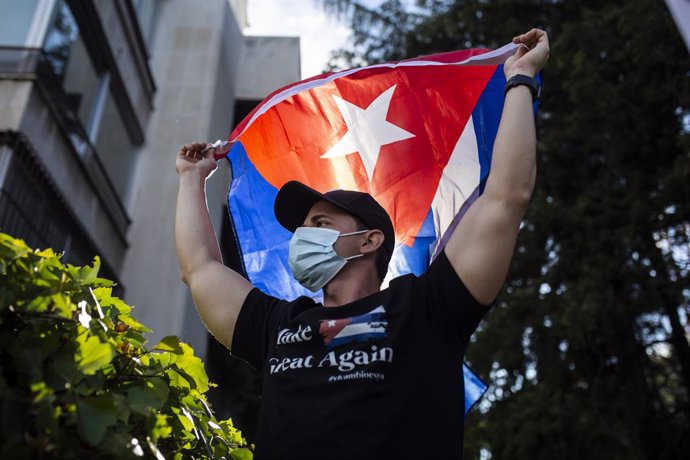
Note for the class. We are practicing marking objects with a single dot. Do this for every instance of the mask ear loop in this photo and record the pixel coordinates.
(354, 233)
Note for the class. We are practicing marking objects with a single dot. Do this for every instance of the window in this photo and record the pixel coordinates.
(14, 27)
(147, 12)
(67, 67)
(115, 149)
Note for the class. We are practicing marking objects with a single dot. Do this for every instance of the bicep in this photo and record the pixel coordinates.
(219, 294)
(481, 247)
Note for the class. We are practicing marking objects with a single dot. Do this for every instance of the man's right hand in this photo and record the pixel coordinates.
(198, 157)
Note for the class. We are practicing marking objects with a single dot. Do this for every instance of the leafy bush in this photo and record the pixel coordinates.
(76, 380)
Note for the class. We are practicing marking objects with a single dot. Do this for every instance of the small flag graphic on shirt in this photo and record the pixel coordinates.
(369, 326)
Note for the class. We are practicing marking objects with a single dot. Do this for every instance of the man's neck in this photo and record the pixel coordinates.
(349, 285)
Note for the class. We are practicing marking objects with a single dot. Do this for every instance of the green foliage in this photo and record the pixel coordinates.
(587, 348)
(76, 380)
(377, 33)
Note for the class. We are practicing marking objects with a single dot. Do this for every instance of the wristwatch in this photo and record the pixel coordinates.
(529, 82)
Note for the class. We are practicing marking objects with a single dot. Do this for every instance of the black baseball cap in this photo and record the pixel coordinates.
(295, 199)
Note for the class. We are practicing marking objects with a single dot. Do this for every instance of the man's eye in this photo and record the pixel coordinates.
(321, 223)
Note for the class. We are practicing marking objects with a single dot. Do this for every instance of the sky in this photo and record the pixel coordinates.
(319, 32)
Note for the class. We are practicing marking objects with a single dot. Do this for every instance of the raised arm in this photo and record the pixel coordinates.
(218, 292)
(481, 248)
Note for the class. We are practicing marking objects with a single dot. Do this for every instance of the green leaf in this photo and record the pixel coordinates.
(11, 248)
(241, 454)
(120, 305)
(133, 323)
(193, 367)
(179, 378)
(49, 267)
(85, 275)
(41, 390)
(39, 304)
(188, 371)
(93, 355)
(94, 416)
(184, 417)
(106, 299)
(47, 254)
(161, 427)
(135, 338)
(152, 394)
(170, 343)
(62, 305)
(232, 434)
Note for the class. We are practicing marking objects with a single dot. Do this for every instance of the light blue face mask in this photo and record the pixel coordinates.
(313, 259)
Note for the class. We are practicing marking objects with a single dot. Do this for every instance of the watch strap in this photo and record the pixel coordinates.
(531, 83)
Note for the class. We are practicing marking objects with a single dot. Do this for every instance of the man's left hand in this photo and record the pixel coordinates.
(531, 57)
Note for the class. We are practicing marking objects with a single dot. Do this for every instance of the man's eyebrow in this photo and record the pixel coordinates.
(319, 216)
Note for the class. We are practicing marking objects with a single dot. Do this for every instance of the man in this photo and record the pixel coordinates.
(370, 373)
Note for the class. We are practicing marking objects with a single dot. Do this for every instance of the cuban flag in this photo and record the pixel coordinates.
(417, 135)
(361, 328)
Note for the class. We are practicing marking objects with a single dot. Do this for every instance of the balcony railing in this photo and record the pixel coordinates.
(15, 60)
(32, 209)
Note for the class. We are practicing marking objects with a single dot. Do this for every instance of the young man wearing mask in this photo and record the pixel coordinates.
(369, 373)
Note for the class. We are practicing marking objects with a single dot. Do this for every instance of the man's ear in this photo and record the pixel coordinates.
(373, 240)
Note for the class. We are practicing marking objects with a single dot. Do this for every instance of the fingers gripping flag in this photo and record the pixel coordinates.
(417, 135)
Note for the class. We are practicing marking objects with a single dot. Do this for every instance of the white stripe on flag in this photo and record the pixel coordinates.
(359, 328)
(459, 180)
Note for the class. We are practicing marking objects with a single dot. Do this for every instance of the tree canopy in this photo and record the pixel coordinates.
(586, 350)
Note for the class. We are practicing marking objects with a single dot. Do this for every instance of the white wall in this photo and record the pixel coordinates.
(267, 64)
(185, 62)
(200, 62)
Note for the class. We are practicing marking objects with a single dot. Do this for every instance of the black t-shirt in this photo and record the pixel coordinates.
(380, 377)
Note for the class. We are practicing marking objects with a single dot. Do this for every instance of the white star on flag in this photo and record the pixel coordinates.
(367, 130)
(331, 323)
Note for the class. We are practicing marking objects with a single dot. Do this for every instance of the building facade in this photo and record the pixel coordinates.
(96, 97)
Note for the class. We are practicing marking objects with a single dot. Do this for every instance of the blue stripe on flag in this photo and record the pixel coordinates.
(263, 242)
(376, 317)
(486, 116)
(416, 259)
(474, 387)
